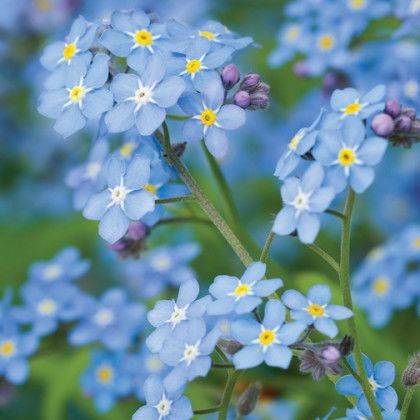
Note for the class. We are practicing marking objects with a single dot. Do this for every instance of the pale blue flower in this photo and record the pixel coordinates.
(316, 309)
(241, 295)
(355, 414)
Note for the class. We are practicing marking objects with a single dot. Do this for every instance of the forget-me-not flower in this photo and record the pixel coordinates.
(266, 342)
(241, 295)
(125, 200)
(79, 98)
(142, 100)
(210, 117)
(303, 200)
(316, 309)
(355, 414)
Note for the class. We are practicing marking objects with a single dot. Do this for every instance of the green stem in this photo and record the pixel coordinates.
(327, 257)
(407, 400)
(222, 355)
(347, 301)
(351, 370)
(202, 200)
(227, 394)
(222, 366)
(223, 185)
(182, 219)
(207, 410)
(267, 245)
(335, 213)
(177, 117)
(175, 199)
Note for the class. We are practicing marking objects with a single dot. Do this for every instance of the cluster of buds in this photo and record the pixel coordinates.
(411, 376)
(134, 241)
(251, 94)
(324, 357)
(399, 125)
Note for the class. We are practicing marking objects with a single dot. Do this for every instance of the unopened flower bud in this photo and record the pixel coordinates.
(242, 99)
(137, 230)
(346, 345)
(259, 101)
(403, 123)
(331, 354)
(411, 375)
(250, 80)
(117, 246)
(392, 108)
(230, 346)
(179, 148)
(383, 125)
(230, 76)
(300, 69)
(410, 113)
(248, 400)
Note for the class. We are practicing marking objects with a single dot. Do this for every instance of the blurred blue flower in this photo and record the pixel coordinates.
(266, 342)
(80, 96)
(113, 320)
(316, 309)
(126, 198)
(381, 376)
(244, 294)
(163, 403)
(355, 414)
(210, 117)
(142, 100)
(303, 201)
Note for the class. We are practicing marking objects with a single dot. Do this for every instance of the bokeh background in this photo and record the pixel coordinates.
(37, 218)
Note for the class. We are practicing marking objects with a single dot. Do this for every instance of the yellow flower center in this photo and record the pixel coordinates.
(43, 5)
(293, 33)
(209, 35)
(77, 93)
(150, 188)
(69, 51)
(104, 374)
(352, 108)
(208, 117)
(241, 290)
(326, 42)
(143, 38)
(193, 66)
(267, 337)
(295, 141)
(47, 307)
(153, 363)
(346, 157)
(357, 4)
(126, 149)
(416, 242)
(316, 310)
(381, 286)
(7, 348)
(52, 271)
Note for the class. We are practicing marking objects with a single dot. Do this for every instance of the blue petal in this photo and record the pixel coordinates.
(115, 171)
(290, 189)
(361, 177)
(366, 363)
(387, 398)
(374, 95)
(96, 205)
(70, 121)
(167, 93)
(181, 409)
(153, 389)
(308, 227)
(248, 357)
(247, 304)
(188, 292)
(154, 71)
(217, 58)
(285, 222)
(121, 117)
(221, 306)
(148, 118)
(326, 326)
(320, 201)
(124, 86)
(193, 130)
(294, 299)
(338, 312)
(265, 288)
(223, 285)
(319, 294)
(51, 103)
(213, 95)
(146, 412)
(353, 131)
(217, 142)
(155, 340)
(52, 54)
(290, 332)
(372, 151)
(254, 272)
(138, 173)
(384, 373)
(245, 330)
(96, 103)
(347, 385)
(17, 370)
(138, 203)
(340, 98)
(313, 177)
(117, 42)
(286, 165)
(274, 314)
(190, 103)
(231, 117)
(97, 75)
(278, 356)
(113, 224)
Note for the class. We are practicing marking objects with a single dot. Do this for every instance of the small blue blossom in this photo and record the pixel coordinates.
(381, 376)
(244, 294)
(163, 403)
(316, 309)
(355, 414)
(168, 315)
(266, 342)
(142, 100)
(303, 201)
(349, 156)
(188, 352)
(65, 266)
(125, 200)
(210, 117)
(107, 379)
(112, 319)
(79, 98)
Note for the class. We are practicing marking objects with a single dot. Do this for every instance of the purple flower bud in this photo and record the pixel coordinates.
(393, 108)
(383, 125)
(118, 246)
(410, 113)
(262, 88)
(248, 400)
(250, 80)
(242, 99)
(331, 354)
(403, 123)
(137, 230)
(259, 101)
(230, 76)
(300, 69)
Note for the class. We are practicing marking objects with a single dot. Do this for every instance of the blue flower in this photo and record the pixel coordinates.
(80, 97)
(168, 315)
(381, 376)
(188, 351)
(64, 267)
(112, 319)
(163, 403)
(241, 295)
(301, 143)
(199, 63)
(63, 57)
(133, 35)
(210, 118)
(87, 178)
(125, 200)
(315, 309)
(142, 99)
(107, 379)
(349, 155)
(355, 414)
(266, 342)
(303, 201)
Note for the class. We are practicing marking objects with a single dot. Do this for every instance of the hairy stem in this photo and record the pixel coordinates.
(407, 400)
(182, 219)
(327, 257)
(227, 394)
(207, 410)
(267, 246)
(335, 213)
(175, 199)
